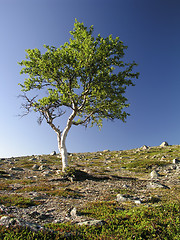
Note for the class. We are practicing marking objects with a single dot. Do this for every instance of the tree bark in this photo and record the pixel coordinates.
(62, 141)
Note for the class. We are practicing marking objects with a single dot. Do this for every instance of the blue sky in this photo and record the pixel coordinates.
(150, 29)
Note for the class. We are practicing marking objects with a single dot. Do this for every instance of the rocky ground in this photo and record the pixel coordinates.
(139, 176)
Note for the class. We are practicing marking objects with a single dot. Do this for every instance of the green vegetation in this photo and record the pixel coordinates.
(145, 165)
(157, 222)
(50, 191)
(16, 200)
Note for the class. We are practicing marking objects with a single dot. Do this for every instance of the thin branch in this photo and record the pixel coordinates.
(46, 112)
(84, 94)
(86, 120)
(49, 119)
(27, 105)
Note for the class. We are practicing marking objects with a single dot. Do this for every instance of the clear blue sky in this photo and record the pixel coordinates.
(150, 29)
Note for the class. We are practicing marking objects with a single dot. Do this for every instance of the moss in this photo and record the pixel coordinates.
(16, 200)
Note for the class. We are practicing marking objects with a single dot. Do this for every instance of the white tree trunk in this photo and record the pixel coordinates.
(63, 151)
(62, 141)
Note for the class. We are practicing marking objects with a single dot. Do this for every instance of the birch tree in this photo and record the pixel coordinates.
(85, 75)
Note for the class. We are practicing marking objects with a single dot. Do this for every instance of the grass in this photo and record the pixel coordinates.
(145, 165)
(155, 222)
(16, 200)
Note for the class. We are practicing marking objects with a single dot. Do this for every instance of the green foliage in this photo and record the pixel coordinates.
(24, 233)
(86, 74)
(16, 200)
(52, 191)
(160, 222)
(145, 165)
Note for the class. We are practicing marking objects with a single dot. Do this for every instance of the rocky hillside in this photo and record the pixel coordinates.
(34, 192)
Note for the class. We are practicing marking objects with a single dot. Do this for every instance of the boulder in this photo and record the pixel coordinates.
(154, 185)
(106, 150)
(176, 161)
(144, 147)
(164, 144)
(53, 153)
(47, 173)
(121, 198)
(11, 222)
(42, 167)
(92, 223)
(16, 169)
(35, 167)
(154, 174)
(42, 160)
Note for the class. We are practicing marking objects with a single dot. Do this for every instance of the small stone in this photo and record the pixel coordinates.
(121, 198)
(42, 167)
(144, 147)
(9, 221)
(154, 174)
(17, 169)
(34, 214)
(137, 202)
(43, 161)
(164, 144)
(3, 209)
(35, 167)
(73, 212)
(33, 159)
(105, 151)
(16, 160)
(58, 172)
(5, 220)
(44, 216)
(156, 185)
(173, 167)
(176, 161)
(47, 173)
(93, 223)
(53, 153)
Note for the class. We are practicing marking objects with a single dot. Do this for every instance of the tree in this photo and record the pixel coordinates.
(86, 75)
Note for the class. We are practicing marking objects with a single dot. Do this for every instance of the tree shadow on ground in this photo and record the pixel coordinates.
(78, 175)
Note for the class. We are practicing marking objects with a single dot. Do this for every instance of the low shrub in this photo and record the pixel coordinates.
(16, 200)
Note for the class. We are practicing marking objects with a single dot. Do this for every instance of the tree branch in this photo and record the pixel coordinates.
(27, 105)
(86, 120)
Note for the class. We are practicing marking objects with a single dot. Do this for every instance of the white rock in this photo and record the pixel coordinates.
(53, 153)
(154, 174)
(47, 173)
(42, 167)
(144, 147)
(121, 198)
(58, 172)
(156, 185)
(43, 161)
(107, 150)
(33, 159)
(164, 144)
(17, 169)
(35, 167)
(175, 161)
(92, 223)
